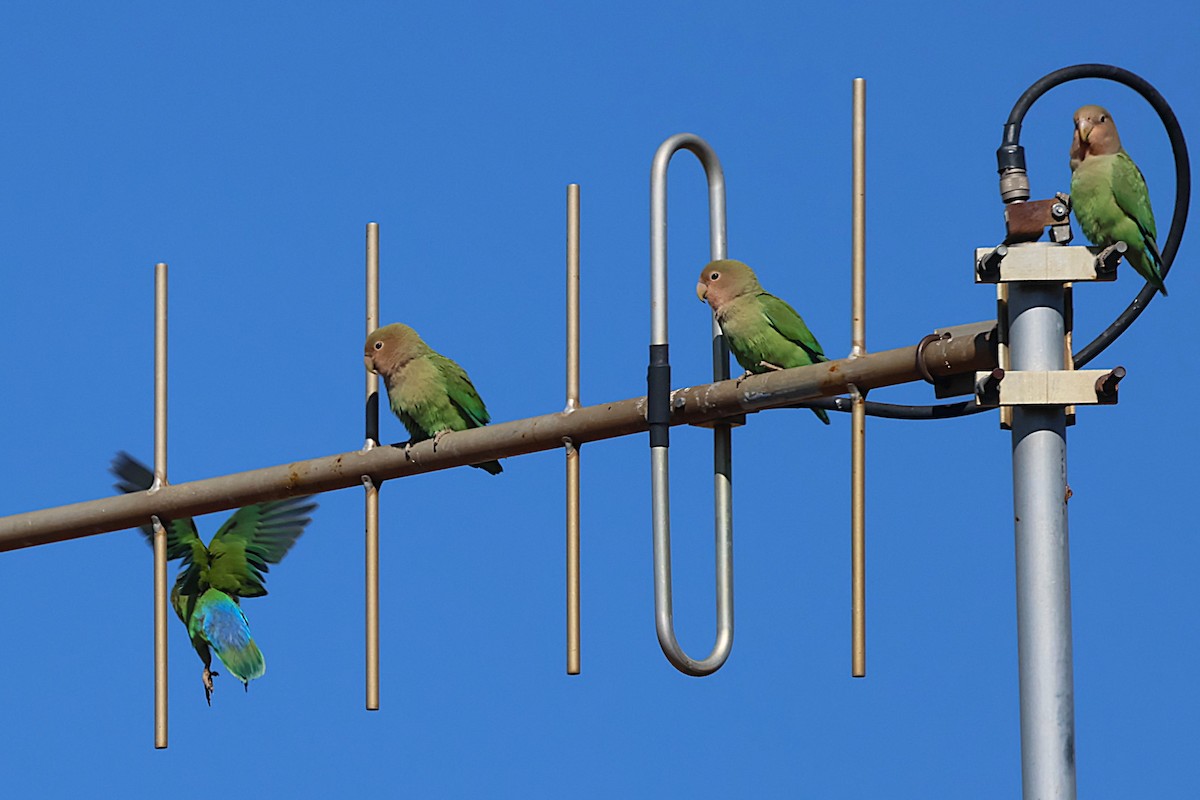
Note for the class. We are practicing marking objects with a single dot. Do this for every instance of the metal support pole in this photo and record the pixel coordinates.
(858, 417)
(160, 480)
(658, 414)
(1042, 554)
(572, 450)
(372, 490)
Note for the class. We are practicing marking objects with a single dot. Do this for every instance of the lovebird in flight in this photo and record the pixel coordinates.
(764, 333)
(430, 394)
(213, 579)
(1109, 194)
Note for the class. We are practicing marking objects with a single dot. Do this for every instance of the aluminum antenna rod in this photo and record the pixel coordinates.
(658, 413)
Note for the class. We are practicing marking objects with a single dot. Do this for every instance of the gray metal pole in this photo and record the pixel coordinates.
(1042, 554)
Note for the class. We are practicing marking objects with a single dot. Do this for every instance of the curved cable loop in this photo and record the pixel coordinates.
(1011, 156)
(658, 413)
(1183, 176)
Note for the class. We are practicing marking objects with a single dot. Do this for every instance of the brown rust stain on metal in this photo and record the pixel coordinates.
(1025, 222)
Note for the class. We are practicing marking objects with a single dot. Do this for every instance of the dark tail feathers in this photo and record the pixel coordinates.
(491, 467)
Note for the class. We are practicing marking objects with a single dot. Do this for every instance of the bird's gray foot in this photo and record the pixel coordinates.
(207, 677)
(770, 366)
(437, 437)
(408, 452)
(738, 381)
(1108, 258)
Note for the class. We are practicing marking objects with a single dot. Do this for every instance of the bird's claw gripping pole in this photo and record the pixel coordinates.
(658, 413)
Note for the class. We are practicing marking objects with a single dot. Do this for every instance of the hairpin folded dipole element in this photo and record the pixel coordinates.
(160, 480)
(658, 414)
(572, 449)
(372, 489)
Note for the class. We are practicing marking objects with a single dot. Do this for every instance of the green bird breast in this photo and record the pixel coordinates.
(1093, 200)
(754, 337)
(418, 395)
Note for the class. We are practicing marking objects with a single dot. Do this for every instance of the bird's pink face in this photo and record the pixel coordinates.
(719, 283)
(1095, 132)
(388, 348)
(373, 348)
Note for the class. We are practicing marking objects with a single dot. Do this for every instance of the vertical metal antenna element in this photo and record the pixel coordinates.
(658, 414)
(1042, 555)
(858, 417)
(573, 403)
(372, 491)
(160, 480)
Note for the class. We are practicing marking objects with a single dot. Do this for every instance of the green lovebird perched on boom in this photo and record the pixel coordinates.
(1109, 196)
(216, 577)
(764, 333)
(430, 394)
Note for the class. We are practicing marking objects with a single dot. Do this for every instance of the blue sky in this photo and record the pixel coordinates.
(248, 147)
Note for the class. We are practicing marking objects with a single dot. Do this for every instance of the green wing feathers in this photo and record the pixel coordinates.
(214, 578)
(1129, 189)
(790, 324)
(1133, 198)
(1112, 204)
(251, 539)
(463, 394)
(467, 403)
(238, 555)
(183, 541)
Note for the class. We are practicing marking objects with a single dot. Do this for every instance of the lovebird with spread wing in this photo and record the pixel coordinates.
(213, 579)
(764, 333)
(430, 394)
(1109, 195)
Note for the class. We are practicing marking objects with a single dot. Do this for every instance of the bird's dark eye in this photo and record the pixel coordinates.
(1102, 118)
(379, 345)
(714, 276)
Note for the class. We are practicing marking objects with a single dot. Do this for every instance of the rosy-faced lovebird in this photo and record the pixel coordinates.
(213, 579)
(1109, 194)
(764, 333)
(430, 394)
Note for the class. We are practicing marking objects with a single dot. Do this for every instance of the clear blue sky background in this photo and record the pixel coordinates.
(249, 146)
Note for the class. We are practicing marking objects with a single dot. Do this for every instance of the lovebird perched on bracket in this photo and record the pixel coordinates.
(764, 333)
(214, 578)
(1109, 194)
(430, 394)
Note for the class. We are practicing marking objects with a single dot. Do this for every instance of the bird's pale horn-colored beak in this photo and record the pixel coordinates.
(701, 291)
(370, 365)
(1084, 127)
